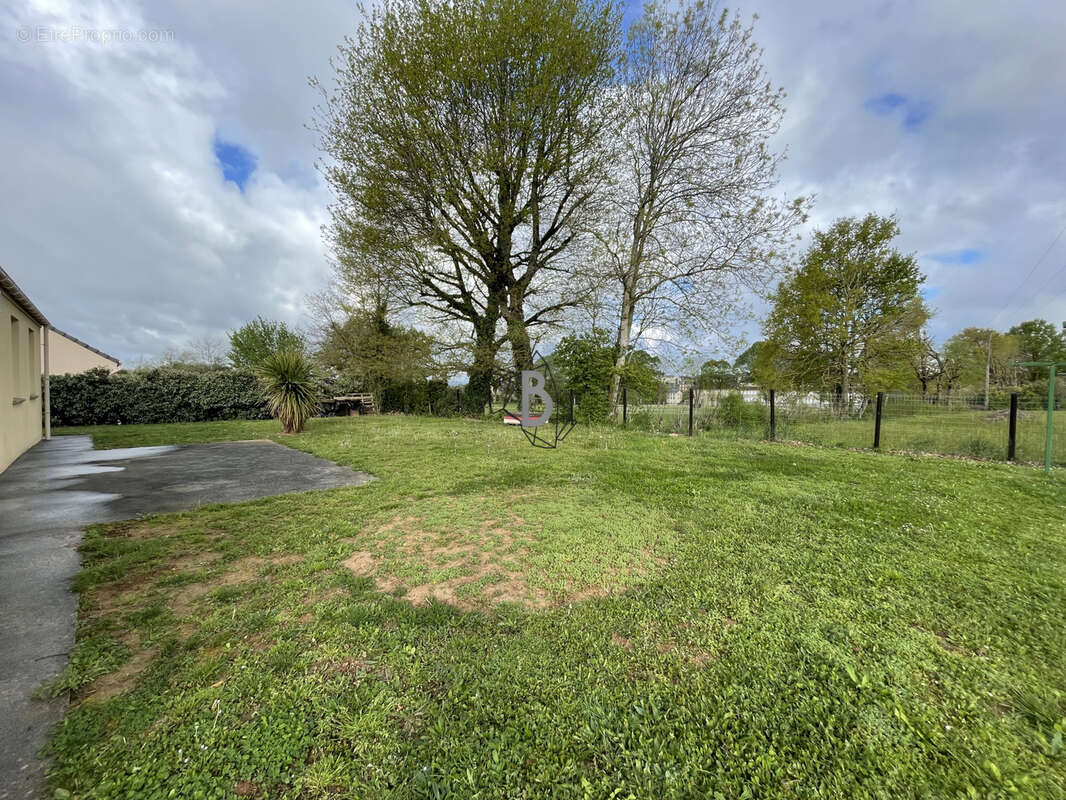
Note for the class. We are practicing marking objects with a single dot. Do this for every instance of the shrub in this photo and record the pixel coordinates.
(289, 384)
(733, 411)
(979, 447)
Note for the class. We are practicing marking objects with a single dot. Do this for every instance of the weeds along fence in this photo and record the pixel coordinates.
(904, 422)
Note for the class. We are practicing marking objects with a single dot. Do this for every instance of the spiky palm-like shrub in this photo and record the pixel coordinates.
(289, 387)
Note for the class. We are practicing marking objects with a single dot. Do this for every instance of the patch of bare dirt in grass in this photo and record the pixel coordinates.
(193, 561)
(106, 600)
(361, 563)
(515, 590)
(489, 557)
(122, 679)
(478, 568)
(183, 602)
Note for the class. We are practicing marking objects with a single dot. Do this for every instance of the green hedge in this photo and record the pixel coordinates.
(156, 395)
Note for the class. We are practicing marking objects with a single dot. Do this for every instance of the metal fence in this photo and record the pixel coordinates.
(1012, 428)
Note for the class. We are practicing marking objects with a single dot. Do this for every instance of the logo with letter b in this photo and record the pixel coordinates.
(537, 394)
(533, 387)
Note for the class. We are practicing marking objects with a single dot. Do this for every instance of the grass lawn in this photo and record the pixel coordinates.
(626, 616)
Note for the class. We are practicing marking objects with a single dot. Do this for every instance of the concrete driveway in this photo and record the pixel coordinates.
(47, 498)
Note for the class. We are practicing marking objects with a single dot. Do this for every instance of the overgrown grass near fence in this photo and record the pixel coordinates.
(969, 433)
(909, 423)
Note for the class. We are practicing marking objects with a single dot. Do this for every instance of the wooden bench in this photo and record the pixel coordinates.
(358, 403)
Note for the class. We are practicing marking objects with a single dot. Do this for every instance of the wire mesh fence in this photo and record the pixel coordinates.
(908, 422)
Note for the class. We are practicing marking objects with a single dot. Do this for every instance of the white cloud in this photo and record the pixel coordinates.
(117, 219)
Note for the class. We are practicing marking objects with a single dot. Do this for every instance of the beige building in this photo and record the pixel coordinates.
(23, 394)
(71, 356)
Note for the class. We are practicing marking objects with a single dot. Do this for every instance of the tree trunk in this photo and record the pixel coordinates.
(479, 388)
(518, 335)
(621, 344)
(845, 389)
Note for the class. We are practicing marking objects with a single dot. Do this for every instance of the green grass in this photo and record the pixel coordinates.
(681, 618)
(107, 437)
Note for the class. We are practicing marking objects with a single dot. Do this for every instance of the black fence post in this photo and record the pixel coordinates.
(458, 400)
(877, 420)
(1012, 432)
(773, 417)
(691, 405)
(571, 406)
(625, 407)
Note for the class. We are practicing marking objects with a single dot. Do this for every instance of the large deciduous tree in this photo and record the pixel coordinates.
(977, 354)
(690, 221)
(465, 147)
(251, 343)
(363, 347)
(1039, 340)
(849, 316)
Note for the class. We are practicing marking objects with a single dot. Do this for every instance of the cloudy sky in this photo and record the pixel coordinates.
(158, 179)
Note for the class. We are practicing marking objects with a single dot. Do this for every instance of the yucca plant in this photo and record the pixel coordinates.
(289, 386)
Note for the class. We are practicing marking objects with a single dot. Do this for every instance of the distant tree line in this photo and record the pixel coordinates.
(850, 319)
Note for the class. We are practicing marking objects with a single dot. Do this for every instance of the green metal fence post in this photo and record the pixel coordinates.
(1050, 417)
(1051, 365)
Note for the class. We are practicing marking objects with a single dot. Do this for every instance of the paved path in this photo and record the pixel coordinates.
(47, 498)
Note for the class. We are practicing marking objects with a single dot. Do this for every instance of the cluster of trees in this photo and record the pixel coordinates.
(507, 170)
(849, 316)
(850, 319)
(984, 361)
(586, 365)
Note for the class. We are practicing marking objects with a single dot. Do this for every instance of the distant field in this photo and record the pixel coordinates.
(971, 433)
(975, 434)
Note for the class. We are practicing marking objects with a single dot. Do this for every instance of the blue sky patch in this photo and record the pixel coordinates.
(915, 112)
(963, 257)
(237, 163)
(885, 104)
(929, 292)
